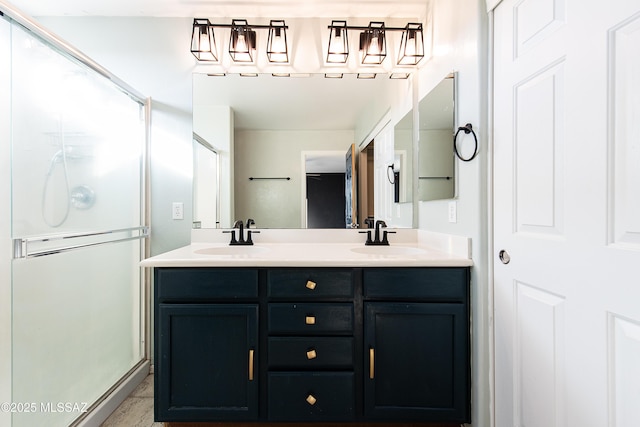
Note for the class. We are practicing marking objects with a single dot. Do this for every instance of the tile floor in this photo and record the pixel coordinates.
(136, 410)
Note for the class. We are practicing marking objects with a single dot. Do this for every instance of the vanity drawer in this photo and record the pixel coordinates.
(195, 284)
(309, 283)
(310, 318)
(429, 283)
(311, 352)
(311, 396)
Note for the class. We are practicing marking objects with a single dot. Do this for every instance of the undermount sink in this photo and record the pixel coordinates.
(388, 250)
(232, 250)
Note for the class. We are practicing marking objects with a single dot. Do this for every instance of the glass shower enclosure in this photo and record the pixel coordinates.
(77, 227)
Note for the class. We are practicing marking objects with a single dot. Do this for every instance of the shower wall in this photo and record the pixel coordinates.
(76, 143)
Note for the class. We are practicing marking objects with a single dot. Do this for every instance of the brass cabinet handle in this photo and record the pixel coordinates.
(311, 284)
(310, 320)
(372, 357)
(311, 354)
(311, 400)
(251, 365)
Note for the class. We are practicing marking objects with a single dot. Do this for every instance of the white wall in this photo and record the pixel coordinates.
(460, 44)
(276, 203)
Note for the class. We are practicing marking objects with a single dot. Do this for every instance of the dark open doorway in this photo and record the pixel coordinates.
(325, 200)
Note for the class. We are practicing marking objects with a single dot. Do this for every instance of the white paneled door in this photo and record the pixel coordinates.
(567, 213)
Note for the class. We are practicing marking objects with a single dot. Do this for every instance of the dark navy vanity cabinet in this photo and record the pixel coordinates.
(312, 344)
(416, 339)
(206, 344)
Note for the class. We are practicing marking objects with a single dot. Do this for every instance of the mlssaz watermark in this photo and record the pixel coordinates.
(44, 407)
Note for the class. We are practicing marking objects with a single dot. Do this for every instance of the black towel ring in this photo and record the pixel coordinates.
(467, 129)
(391, 167)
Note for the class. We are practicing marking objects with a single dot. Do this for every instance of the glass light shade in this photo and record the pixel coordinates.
(277, 42)
(373, 44)
(242, 43)
(338, 50)
(411, 45)
(203, 44)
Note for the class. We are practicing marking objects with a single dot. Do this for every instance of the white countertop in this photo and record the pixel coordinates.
(318, 248)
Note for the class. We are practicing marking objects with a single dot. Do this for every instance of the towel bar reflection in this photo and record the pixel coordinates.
(253, 178)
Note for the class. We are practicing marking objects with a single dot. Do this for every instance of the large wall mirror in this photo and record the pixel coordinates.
(436, 164)
(280, 139)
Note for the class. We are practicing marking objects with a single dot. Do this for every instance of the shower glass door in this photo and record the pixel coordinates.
(77, 226)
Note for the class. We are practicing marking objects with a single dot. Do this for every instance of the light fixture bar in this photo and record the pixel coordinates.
(242, 42)
(361, 28)
(373, 42)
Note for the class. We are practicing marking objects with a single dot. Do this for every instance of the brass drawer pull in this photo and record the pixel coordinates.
(311, 354)
(251, 365)
(372, 369)
(311, 284)
(310, 320)
(311, 400)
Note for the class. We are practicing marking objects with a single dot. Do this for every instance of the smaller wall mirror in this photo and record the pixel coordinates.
(436, 175)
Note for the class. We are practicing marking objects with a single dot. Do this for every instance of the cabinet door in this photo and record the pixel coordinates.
(416, 362)
(205, 360)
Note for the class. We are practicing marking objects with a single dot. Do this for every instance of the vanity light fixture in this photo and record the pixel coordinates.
(373, 43)
(277, 42)
(411, 45)
(203, 44)
(338, 51)
(242, 42)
